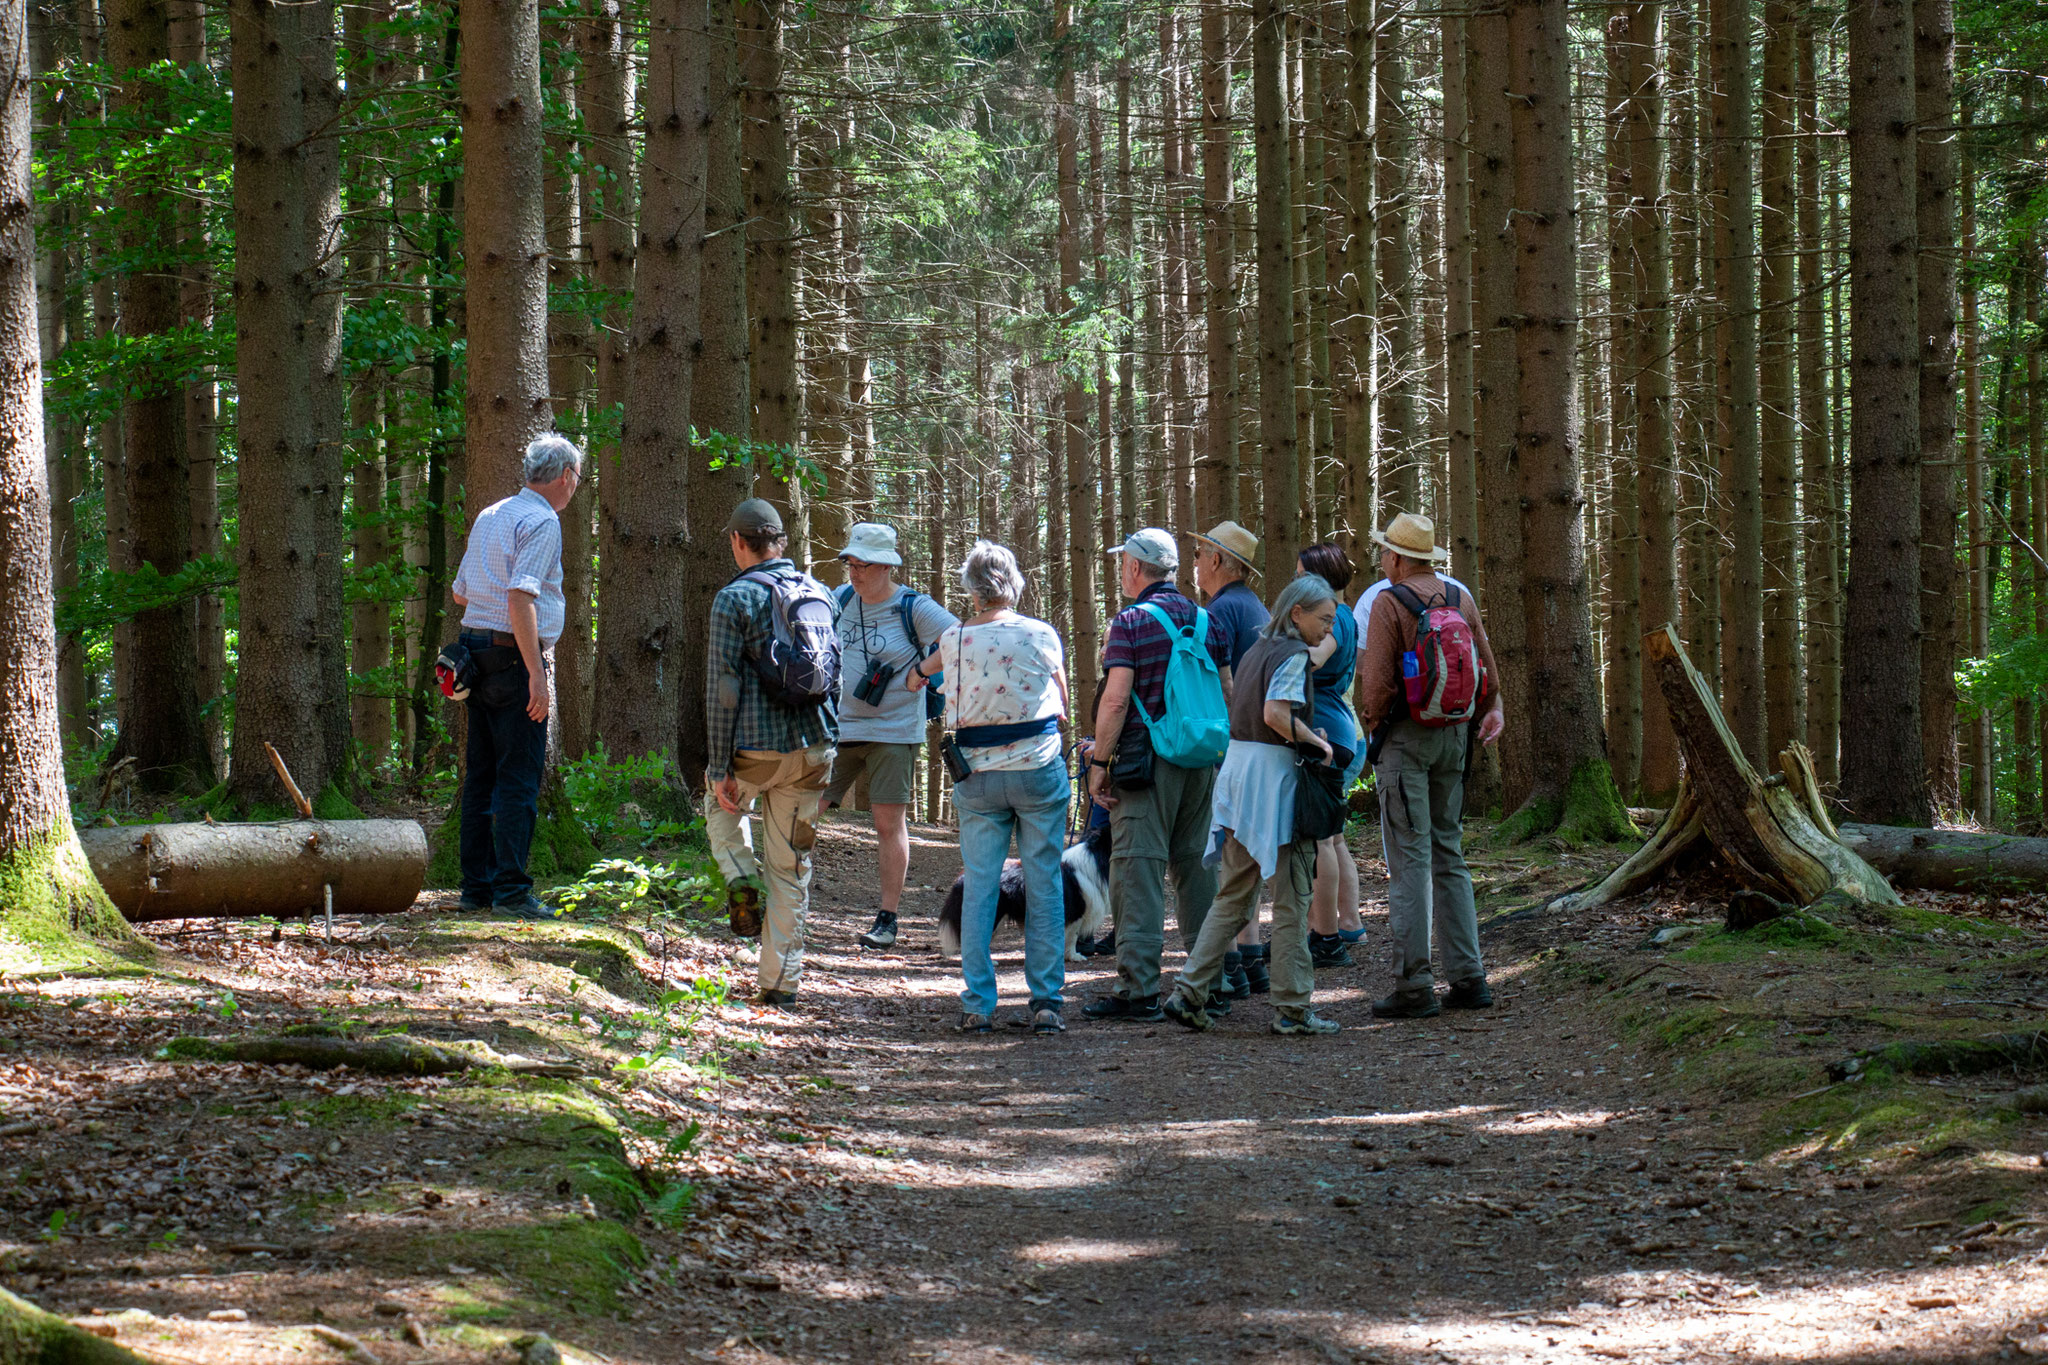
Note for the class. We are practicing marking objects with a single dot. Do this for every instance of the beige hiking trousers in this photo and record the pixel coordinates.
(788, 787)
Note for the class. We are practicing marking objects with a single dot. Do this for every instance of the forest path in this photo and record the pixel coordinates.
(1472, 1188)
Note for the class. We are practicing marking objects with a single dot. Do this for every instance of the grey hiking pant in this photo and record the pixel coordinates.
(1161, 830)
(1422, 803)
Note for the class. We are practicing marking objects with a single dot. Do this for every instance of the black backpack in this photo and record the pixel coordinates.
(799, 665)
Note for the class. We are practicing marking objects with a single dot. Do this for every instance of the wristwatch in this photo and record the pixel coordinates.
(1100, 763)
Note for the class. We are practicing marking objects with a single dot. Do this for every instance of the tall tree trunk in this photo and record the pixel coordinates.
(771, 240)
(279, 675)
(1934, 71)
(2020, 456)
(1882, 758)
(1127, 352)
(1313, 272)
(1282, 469)
(1358, 457)
(1573, 791)
(569, 376)
(1461, 457)
(827, 433)
(50, 891)
(1978, 750)
(370, 625)
(1082, 528)
(642, 632)
(1700, 571)
(1393, 143)
(1175, 320)
(721, 395)
(1622, 568)
(1778, 419)
(1655, 472)
(1739, 439)
(1219, 261)
(161, 728)
(322, 83)
(1821, 628)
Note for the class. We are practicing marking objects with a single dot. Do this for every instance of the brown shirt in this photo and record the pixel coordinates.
(1391, 633)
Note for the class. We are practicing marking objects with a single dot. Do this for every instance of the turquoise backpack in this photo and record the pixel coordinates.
(1194, 732)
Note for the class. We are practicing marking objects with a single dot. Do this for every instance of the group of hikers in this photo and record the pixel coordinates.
(1224, 745)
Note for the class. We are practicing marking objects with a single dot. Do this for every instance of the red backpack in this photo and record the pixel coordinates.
(1442, 674)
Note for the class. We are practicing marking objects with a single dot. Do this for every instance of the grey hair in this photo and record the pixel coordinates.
(549, 456)
(990, 575)
(1307, 592)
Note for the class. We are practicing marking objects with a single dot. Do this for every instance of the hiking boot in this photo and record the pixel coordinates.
(1470, 994)
(1186, 1015)
(1327, 950)
(1216, 1007)
(1047, 1020)
(532, 907)
(780, 1000)
(743, 909)
(1235, 985)
(1257, 969)
(883, 935)
(1118, 1009)
(1406, 1004)
(1308, 1025)
(975, 1023)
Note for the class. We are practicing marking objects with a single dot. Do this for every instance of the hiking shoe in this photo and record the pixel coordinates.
(1352, 935)
(1328, 951)
(1406, 1005)
(1470, 994)
(1216, 1007)
(1308, 1025)
(466, 906)
(1047, 1020)
(1186, 1015)
(780, 1000)
(975, 1023)
(1118, 1009)
(533, 907)
(883, 935)
(1235, 985)
(1258, 974)
(743, 909)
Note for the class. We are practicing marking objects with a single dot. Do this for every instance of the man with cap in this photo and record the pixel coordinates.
(1223, 559)
(883, 629)
(1159, 827)
(1421, 771)
(762, 749)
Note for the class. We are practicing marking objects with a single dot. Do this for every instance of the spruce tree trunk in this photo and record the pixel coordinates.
(1778, 419)
(279, 672)
(569, 376)
(1082, 527)
(1461, 455)
(1821, 623)
(161, 728)
(1978, 750)
(2019, 521)
(1219, 266)
(1174, 314)
(721, 396)
(1313, 270)
(1393, 145)
(827, 434)
(1356, 455)
(322, 85)
(1281, 540)
(46, 890)
(1694, 398)
(1573, 791)
(1649, 251)
(1127, 503)
(771, 234)
(1934, 71)
(1882, 757)
(1622, 564)
(1739, 436)
(642, 632)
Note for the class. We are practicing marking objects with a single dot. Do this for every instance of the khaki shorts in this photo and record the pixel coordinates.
(891, 771)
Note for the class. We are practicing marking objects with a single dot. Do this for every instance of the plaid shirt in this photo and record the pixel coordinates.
(741, 714)
(1138, 642)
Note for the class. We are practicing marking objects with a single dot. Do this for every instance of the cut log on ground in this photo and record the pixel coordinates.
(30, 1336)
(1772, 831)
(392, 1054)
(1952, 859)
(159, 872)
(2024, 1051)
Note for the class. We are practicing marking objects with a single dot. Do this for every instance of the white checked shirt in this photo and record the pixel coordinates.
(515, 546)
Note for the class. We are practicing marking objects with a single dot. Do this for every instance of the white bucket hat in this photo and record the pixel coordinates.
(871, 543)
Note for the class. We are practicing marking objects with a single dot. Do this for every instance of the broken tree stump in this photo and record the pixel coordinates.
(199, 871)
(1772, 831)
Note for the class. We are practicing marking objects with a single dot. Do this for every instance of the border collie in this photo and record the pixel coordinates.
(1084, 874)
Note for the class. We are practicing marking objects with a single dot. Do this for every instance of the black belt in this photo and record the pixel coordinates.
(496, 637)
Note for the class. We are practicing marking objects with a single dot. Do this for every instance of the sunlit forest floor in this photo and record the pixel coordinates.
(1637, 1156)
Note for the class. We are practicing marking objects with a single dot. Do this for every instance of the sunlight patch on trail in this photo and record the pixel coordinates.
(1094, 1251)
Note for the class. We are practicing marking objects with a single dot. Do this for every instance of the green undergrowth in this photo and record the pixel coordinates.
(561, 850)
(581, 1264)
(331, 803)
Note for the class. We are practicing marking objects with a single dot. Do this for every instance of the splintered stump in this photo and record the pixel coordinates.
(1771, 830)
(158, 872)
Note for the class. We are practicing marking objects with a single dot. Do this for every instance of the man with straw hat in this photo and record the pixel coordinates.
(1224, 558)
(1421, 626)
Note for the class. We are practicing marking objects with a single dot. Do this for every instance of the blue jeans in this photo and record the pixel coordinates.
(1033, 803)
(500, 797)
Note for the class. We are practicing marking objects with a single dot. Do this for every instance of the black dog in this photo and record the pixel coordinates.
(1084, 875)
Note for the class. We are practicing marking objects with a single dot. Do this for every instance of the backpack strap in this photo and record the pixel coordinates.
(1407, 597)
(841, 595)
(906, 603)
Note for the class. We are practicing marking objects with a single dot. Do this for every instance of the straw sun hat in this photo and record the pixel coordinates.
(1413, 536)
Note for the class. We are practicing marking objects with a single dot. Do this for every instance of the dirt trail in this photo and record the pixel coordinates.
(1472, 1188)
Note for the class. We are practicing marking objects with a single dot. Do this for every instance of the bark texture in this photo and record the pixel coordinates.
(1282, 492)
(159, 872)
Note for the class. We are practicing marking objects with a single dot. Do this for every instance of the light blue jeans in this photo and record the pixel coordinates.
(1033, 804)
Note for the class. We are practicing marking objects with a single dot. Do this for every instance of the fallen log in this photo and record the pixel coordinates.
(391, 1054)
(1949, 1056)
(1772, 831)
(1952, 859)
(159, 872)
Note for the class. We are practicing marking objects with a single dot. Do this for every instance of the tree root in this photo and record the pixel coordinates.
(1948, 1057)
(30, 1336)
(391, 1054)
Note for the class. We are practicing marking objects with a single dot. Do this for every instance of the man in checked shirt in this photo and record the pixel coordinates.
(510, 590)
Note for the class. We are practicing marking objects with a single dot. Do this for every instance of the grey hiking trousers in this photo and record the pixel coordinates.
(1422, 804)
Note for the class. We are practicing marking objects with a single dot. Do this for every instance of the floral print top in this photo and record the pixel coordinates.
(1001, 672)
